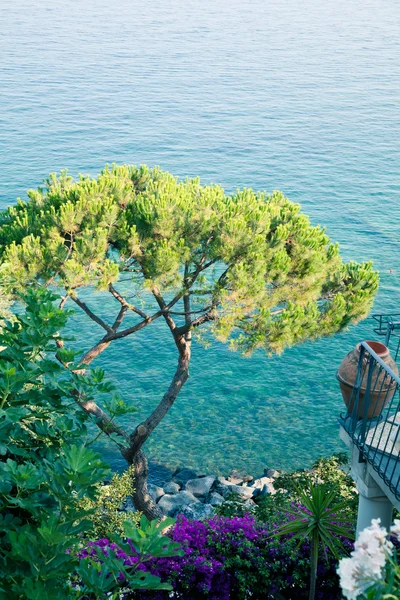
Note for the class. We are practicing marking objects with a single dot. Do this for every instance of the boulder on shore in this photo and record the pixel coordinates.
(181, 476)
(198, 511)
(201, 486)
(224, 487)
(237, 478)
(172, 504)
(172, 487)
(155, 491)
(273, 473)
(263, 482)
(215, 499)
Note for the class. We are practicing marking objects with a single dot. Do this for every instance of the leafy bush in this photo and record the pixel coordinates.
(373, 570)
(234, 506)
(47, 469)
(332, 471)
(107, 515)
(243, 560)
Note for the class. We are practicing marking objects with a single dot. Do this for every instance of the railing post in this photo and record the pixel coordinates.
(367, 397)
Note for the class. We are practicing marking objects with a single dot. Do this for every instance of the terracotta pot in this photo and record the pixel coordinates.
(383, 388)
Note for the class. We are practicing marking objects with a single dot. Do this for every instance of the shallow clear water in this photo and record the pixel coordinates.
(298, 96)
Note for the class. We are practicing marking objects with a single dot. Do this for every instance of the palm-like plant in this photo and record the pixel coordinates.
(319, 519)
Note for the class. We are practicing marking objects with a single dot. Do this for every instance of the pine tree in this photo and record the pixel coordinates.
(247, 268)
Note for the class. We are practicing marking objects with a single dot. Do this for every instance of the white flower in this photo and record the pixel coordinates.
(347, 572)
(367, 560)
(395, 528)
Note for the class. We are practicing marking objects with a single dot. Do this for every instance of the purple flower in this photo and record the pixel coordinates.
(229, 559)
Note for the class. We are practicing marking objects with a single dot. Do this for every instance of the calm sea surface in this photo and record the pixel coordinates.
(298, 96)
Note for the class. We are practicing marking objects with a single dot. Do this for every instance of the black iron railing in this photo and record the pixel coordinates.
(372, 419)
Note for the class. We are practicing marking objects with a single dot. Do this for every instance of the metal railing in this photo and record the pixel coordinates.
(372, 419)
(389, 327)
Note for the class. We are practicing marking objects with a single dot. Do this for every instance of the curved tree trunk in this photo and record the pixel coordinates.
(132, 451)
(141, 497)
(134, 454)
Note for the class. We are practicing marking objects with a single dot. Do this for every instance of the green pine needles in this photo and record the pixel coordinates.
(254, 265)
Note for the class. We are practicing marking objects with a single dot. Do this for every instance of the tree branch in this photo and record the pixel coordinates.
(103, 420)
(90, 313)
(122, 301)
(144, 430)
(134, 328)
(63, 301)
(186, 305)
(209, 316)
(190, 312)
(119, 318)
(164, 309)
(95, 350)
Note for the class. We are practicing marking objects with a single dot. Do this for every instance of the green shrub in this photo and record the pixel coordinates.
(332, 471)
(106, 510)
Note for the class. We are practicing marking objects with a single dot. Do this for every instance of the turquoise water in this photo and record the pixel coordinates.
(298, 96)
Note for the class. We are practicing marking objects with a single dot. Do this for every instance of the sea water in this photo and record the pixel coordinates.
(297, 96)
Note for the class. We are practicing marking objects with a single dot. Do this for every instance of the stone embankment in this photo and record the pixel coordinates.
(196, 496)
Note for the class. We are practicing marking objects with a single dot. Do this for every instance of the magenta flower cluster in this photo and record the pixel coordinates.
(231, 559)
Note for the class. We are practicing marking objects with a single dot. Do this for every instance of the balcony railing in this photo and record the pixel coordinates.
(372, 419)
(389, 327)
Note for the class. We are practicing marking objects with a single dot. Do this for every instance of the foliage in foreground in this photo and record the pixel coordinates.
(238, 555)
(234, 559)
(47, 468)
(332, 471)
(373, 570)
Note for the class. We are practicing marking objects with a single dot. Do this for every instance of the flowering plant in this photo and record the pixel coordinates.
(373, 571)
(230, 558)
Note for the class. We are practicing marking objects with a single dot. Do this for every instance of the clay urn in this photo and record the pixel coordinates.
(383, 386)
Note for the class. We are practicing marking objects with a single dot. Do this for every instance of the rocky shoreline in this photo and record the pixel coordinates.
(196, 496)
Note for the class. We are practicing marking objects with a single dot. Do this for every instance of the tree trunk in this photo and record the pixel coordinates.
(141, 497)
(134, 454)
(314, 565)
